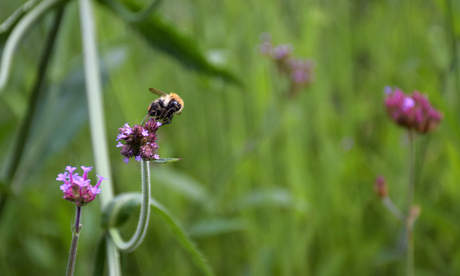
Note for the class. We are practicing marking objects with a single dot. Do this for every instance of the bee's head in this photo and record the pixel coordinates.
(179, 100)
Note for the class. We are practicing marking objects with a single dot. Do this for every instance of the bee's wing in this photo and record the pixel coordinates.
(157, 92)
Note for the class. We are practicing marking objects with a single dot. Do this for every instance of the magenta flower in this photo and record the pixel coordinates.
(413, 112)
(139, 141)
(77, 188)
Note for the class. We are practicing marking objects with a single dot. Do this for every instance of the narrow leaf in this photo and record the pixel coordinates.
(182, 237)
(165, 37)
(165, 160)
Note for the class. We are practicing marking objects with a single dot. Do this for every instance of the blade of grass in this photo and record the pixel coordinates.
(165, 37)
(23, 133)
(18, 32)
(131, 16)
(9, 23)
(96, 117)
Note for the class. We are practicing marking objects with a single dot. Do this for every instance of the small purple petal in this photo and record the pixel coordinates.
(62, 177)
(138, 158)
(145, 133)
(70, 169)
(85, 171)
(156, 156)
(387, 90)
(100, 180)
(126, 160)
(119, 145)
(120, 136)
(408, 103)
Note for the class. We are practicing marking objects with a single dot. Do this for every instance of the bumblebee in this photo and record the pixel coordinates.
(165, 107)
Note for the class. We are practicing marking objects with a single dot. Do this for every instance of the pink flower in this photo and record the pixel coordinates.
(411, 111)
(77, 188)
(139, 141)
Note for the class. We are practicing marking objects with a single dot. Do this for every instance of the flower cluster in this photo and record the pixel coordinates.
(299, 70)
(77, 188)
(140, 141)
(413, 111)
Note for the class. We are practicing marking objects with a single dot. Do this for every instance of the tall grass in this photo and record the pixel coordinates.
(298, 202)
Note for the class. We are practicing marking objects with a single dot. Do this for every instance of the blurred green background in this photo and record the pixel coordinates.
(267, 185)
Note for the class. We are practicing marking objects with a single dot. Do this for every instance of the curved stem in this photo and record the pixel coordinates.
(130, 16)
(143, 223)
(18, 32)
(73, 246)
(410, 201)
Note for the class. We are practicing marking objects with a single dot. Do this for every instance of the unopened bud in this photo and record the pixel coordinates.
(381, 188)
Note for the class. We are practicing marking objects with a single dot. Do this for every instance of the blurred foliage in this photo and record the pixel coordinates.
(296, 201)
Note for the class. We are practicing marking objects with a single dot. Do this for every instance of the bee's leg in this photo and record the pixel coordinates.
(169, 121)
(168, 116)
(162, 114)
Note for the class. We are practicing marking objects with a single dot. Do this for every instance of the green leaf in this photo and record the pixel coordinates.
(165, 160)
(165, 37)
(120, 208)
(182, 237)
(215, 227)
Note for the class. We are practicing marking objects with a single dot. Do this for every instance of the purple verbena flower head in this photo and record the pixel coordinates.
(139, 141)
(77, 188)
(302, 74)
(282, 51)
(411, 111)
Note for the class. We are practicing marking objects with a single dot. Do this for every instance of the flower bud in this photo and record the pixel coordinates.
(381, 188)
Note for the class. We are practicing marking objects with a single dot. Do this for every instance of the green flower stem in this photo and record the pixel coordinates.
(96, 117)
(143, 223)
(393, 209)
(410, 202)
(73, 246)
(18, 32)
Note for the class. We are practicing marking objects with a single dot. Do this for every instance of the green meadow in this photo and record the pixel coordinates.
(267, 184)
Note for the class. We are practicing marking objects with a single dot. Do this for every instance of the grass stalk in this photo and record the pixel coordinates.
(25, 128)
(96, 117)
(12, 44)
